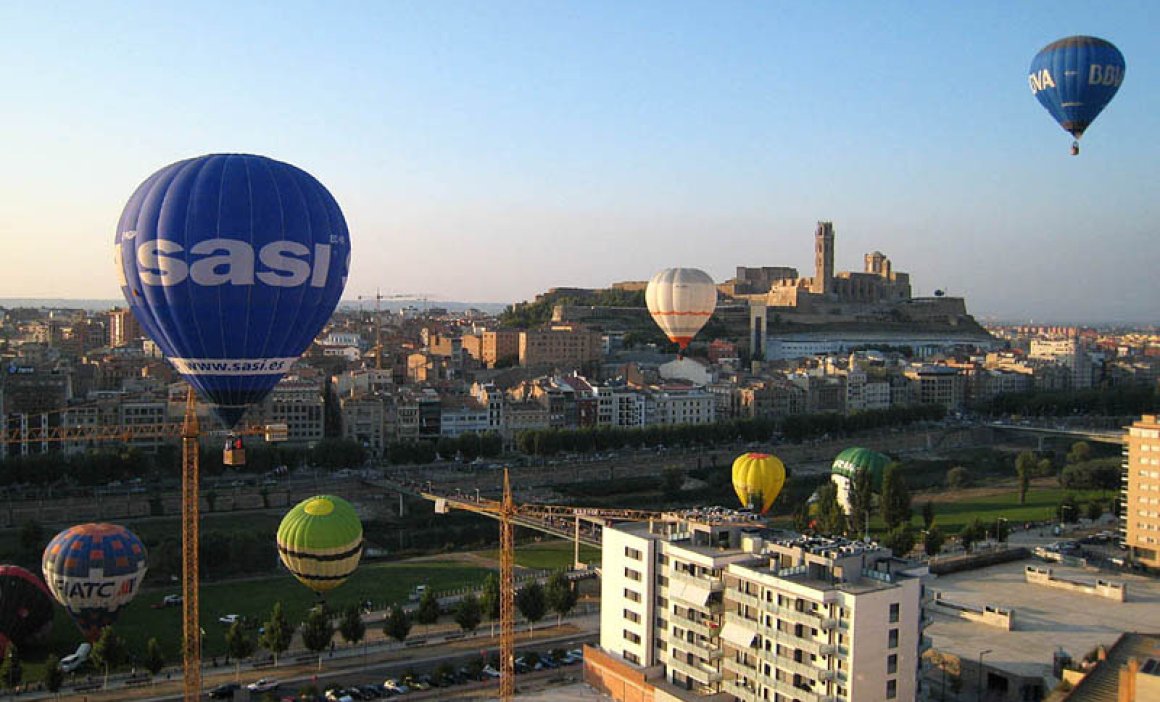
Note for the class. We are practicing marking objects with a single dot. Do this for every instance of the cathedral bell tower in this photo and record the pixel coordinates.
(823, 282)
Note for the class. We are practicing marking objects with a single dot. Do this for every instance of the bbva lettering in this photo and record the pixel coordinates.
(1105, 75)
(1040, 80)
(286, 264)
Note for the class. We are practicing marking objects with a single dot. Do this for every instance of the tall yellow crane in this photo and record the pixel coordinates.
(508, 512)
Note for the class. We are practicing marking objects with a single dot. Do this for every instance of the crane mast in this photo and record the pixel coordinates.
(507, 594)
(190, 524)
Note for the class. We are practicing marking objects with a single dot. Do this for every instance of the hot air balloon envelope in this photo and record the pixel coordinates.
(846, 466)
(320, 541)
(25, 607)
(681, 301)
(232, 263)
(94, 570)
(1075, 78)
(757, 480)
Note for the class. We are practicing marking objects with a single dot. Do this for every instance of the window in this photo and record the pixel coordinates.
(631, 595)
(631, 574)
(631, 657)
(892, 639)
(894, 613)
(892, 664)
(632, 553)
(632, 616)
(891, 689)
(631, 636)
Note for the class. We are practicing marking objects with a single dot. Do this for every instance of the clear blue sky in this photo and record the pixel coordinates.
(489, 150)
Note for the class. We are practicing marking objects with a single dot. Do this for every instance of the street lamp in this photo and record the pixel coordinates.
(979, 679)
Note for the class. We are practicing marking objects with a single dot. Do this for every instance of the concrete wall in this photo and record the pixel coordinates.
(990, 615)
(1102, 588)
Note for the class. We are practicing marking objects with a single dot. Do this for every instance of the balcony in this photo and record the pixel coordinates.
(804, 669)
(792, 615)
(741, 692)
(828, 649)
(701, 673)
(785, 638)
(746, 599)
(697, 627)
(712, 584)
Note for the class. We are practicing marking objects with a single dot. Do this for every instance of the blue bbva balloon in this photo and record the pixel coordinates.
(232, 263)
(1074, 78)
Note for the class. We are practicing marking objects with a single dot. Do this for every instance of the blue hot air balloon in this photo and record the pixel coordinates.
(1074, 79)
(232, 263)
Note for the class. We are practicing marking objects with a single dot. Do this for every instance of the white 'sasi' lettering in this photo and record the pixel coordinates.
(283, 264)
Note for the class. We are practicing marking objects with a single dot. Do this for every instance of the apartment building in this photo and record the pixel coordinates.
(1140, 519)
(712, 605)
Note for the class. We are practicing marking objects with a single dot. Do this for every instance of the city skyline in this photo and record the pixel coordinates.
(489, 153)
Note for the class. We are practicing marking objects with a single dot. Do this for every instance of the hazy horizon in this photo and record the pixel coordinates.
(493, 151)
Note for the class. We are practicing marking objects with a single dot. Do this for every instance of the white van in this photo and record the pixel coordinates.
(75, 660)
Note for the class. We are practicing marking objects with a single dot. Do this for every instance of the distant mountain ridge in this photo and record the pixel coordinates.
(97, 305)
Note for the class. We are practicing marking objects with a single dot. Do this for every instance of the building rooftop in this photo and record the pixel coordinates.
(1046, 619)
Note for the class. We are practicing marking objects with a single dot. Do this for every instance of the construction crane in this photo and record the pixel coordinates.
(508, 512)
(190, 432)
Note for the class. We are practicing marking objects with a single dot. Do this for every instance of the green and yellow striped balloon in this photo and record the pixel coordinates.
(320, 541)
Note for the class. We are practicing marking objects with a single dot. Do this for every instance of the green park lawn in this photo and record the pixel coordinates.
(952, 513)
(382, 583)
(550, 554)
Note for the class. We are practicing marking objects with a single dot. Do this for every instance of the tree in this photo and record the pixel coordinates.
(109, 651)
(1095, 509)
(900, 540)
(895, 504)
(933, 542)
(1024, 475)
(278, 632)
(317, 632)
(11, 671)
(468, 614)
(958, 478)
(972, 533)
(31, 539)
(154, 657)
(239, 645)
(861, 500)
(1068, 510)
(1080, 452)
(352, 627)
(489, 599)
(1025, 462)
(428, 611)
(1044, 468)
(561, 595)
(671, 481)
(532, 603)
(397, 624)
(927, 515)
(831, 518)
(53, 675)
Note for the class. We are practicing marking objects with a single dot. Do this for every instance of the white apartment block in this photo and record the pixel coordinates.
(619, 407)
(681, 407)
(714, 606)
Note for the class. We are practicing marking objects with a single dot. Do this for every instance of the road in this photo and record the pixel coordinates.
(351, 666)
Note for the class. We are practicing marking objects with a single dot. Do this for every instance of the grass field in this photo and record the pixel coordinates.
(382, 583)
(953, 511)
(550, 554)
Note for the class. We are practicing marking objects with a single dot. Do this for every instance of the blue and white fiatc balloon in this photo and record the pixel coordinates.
(232, 263)
(1074, 79)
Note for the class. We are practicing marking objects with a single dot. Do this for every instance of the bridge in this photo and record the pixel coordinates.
(581, 525)
(1103, 436)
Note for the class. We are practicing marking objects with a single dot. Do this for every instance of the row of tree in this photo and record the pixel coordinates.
(1115, 401)
(549, 442)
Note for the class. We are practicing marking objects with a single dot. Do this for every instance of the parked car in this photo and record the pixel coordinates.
(76, 659)
(225, 691)
(171, 600)
(263, 685)
(229, 618)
